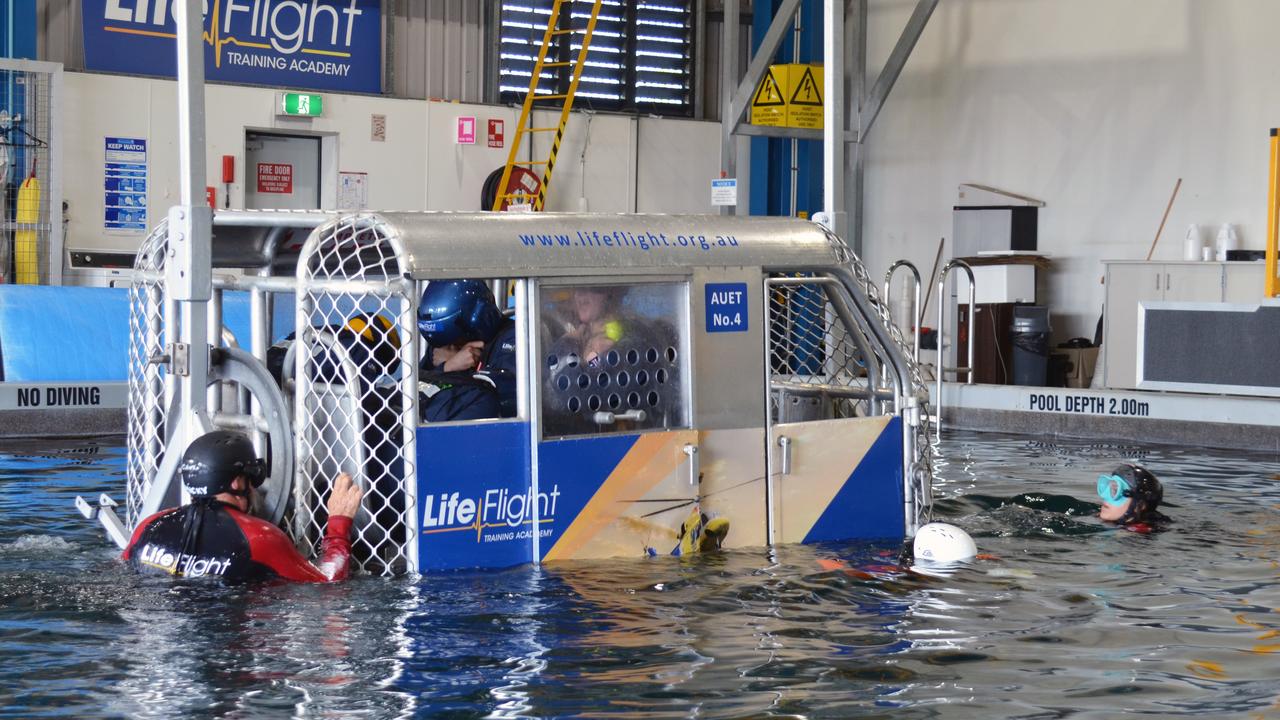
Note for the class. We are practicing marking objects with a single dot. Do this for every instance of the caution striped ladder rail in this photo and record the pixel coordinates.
(524, 128)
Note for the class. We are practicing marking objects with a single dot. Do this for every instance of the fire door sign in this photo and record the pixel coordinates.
(275, 178)
(496, 132)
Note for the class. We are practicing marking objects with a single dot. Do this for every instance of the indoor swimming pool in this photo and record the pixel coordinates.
(1065, 617)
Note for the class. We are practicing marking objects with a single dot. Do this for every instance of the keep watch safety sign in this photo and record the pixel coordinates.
(789, 96)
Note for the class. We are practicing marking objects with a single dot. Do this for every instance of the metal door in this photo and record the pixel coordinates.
(835, 463)
(282, 172)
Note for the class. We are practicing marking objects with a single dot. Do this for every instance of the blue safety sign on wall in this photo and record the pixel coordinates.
(726, 307)
(124, 198)
(318, 44)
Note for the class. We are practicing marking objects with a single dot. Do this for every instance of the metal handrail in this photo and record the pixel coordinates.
(942, 323)
(888, 282)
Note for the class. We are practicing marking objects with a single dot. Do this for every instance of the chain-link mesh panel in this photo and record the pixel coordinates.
(27, 213)
(921, 471)
(817, 368)
(356, 379)
(147, 402)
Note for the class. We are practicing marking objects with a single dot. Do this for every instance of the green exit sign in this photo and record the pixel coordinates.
(301, 104)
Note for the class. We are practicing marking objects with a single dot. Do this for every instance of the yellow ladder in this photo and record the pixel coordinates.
(523, 127)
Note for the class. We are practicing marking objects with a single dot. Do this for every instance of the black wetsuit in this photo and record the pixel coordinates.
(233, 546)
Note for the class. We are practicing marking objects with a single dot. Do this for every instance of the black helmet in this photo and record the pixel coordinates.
(214, 460)
(1143, 488)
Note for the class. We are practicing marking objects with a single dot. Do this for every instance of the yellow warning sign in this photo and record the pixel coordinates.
(804, 108)
(769, 106)
(789, 96)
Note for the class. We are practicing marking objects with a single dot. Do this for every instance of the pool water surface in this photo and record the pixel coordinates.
(1067, 618)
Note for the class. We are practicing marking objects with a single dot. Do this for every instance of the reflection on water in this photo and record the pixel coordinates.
(1070, 618)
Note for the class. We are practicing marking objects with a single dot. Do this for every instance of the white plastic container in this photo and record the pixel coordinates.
(1193, 244)
(1227, 240)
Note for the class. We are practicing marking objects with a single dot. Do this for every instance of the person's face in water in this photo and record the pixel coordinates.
(591, 305)
(1113, 513)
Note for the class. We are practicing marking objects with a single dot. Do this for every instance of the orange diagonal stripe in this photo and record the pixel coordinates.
(650, 460)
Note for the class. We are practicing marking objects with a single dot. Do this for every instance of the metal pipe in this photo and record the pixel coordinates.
(770, 421)
(795, 143)
(409, 415)
(844, 391)
(214, 314)
(888, 283)
(942, 320)
(729, 32)
(531, 389)
(834, 201)
(390, 287)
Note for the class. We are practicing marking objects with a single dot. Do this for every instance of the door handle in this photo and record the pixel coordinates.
(695, 473)
(784, 444)
(604, 417)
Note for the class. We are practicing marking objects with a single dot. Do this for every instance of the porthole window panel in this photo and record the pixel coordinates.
(622, 335)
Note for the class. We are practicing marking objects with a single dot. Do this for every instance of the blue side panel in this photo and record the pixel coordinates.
(574, 470)
(82, 333)
(63, 333)
(235, 315)
(473, 496)
(870, 503)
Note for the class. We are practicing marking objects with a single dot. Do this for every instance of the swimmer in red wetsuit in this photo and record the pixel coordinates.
(215, 537)
(1130, 496)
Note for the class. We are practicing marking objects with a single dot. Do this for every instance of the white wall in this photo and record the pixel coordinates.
(1096, 107)
(668, 164)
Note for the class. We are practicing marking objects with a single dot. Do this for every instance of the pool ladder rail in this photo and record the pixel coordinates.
(942, 370)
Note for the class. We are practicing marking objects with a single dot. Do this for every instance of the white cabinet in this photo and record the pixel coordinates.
(1130, 282)
(1244, 282)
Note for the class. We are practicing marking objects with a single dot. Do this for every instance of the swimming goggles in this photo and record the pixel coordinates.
(1114, 489)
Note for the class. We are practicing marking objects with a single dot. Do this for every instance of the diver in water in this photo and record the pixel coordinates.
(215, 537)
(1131, 496)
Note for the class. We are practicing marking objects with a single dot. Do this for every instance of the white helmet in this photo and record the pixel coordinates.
(942, 543)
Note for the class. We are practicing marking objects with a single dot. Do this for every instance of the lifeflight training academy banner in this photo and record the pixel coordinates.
(313, 44)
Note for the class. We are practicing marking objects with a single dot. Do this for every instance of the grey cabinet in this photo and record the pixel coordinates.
(1130, 282)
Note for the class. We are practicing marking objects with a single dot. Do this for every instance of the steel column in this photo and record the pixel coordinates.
(729, 32)
(188, 271)
(833, 111)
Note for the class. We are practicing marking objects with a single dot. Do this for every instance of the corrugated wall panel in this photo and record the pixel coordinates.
(59, 35)
(440, 49)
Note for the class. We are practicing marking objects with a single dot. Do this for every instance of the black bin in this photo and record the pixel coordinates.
(1030, 335)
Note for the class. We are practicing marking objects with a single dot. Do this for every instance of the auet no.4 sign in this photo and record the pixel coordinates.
(320, 44)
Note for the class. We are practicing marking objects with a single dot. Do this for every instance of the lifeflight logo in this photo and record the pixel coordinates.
(322, 27)
(182, 565)
(497, 508)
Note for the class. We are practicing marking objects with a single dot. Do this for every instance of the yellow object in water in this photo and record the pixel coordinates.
(26, 255)
(699, 533)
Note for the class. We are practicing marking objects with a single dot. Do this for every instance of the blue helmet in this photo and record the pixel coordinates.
(457, 311)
